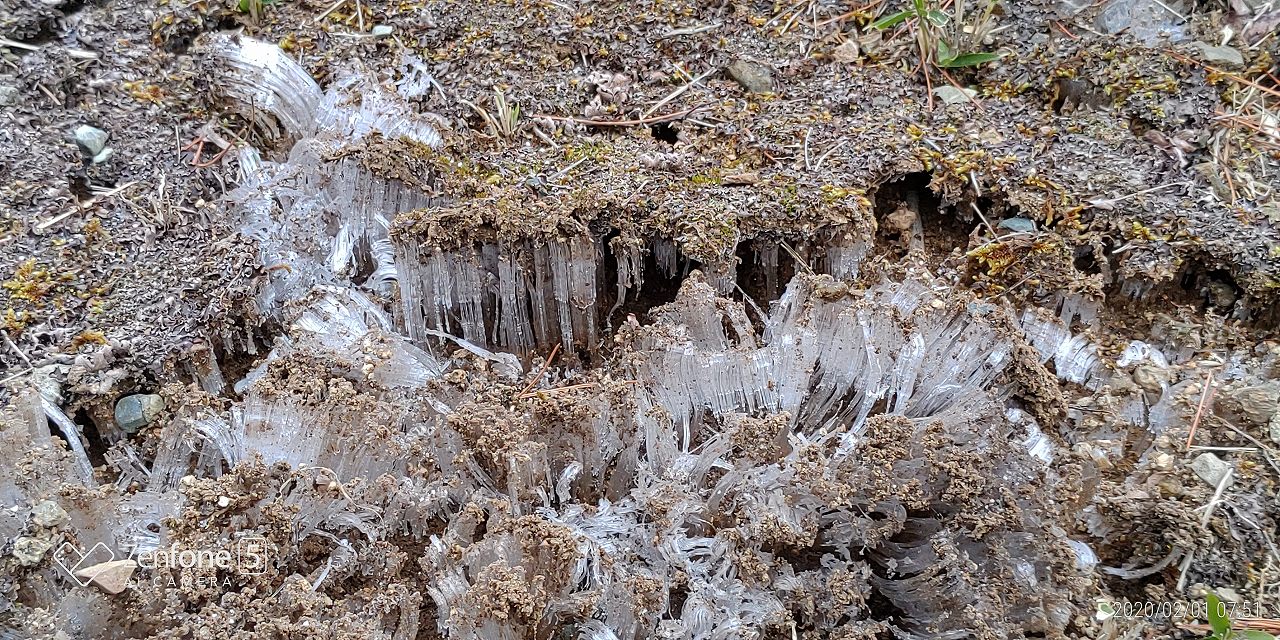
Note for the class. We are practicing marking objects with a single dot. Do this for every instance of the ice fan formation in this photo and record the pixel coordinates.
(843, 463)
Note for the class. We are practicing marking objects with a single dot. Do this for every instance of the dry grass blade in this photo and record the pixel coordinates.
(502, 124)
(542, 370)
(1204, 399)
(622, 123)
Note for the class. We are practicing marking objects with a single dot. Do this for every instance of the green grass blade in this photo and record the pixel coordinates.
(1218, 620)
(891, 20)
(968, 60)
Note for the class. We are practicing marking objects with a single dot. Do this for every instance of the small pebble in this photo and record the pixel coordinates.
(1226, 56)
(847, 52)
(755, 78)
(91, 141)
(1150, 378)
(9, 95)
(1017, 225)
(1210, 468)
(952, 95)
(137, 411)
(112, 577)
(981, 309)
(48, 514)
(29, 551)
(1162, 462)
(1254, 405)
(1228, 595)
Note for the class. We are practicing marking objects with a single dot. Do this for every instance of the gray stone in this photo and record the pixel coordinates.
(1225, 56)
(9, 96)
(30, 551)
(91, 141)
(847, 52)
(137, 411)
(45, 379)
(754, 77)
(1017, 225)
(1273, 429)
(952, 95)
(981, 309)
(1253, 406)
(48, 514)
(1211, 469)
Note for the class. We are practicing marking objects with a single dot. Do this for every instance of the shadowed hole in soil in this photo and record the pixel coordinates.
(235, 363)
(764, 269)
(664, 132)
(1199, 287)
(95, 447)
(657, 288)
(898, 201)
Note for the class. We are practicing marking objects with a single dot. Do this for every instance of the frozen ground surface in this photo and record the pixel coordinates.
(635, 320)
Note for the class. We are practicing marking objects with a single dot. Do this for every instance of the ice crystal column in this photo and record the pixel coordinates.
(518, 296)
(828, 358)
(327, 207)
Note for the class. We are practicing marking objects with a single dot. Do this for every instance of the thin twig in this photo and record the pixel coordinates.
(1264, 449)
(621, 123)
(561, 173)
(1218, 71)
(1204, 398)
(15, 348)
(1170, 10)
(545, 364)
(796, 256)
(328, 11)
(983, 217)
(818, 165)
(82, 207)
(676, 94)
(807, 165)
(688, 31)
(849, 14)
(1217, 497)
(14, 44)
(571, 387)
(1112, 201)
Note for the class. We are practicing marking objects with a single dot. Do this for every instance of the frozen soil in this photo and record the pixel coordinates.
(1150, 195)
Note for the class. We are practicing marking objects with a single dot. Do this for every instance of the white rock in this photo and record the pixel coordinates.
(952, 95)
(1162, 462)
(1229, 56)
(1210, 468)
(112, 577)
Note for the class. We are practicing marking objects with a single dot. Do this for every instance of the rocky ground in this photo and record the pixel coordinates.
(1115, 166)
